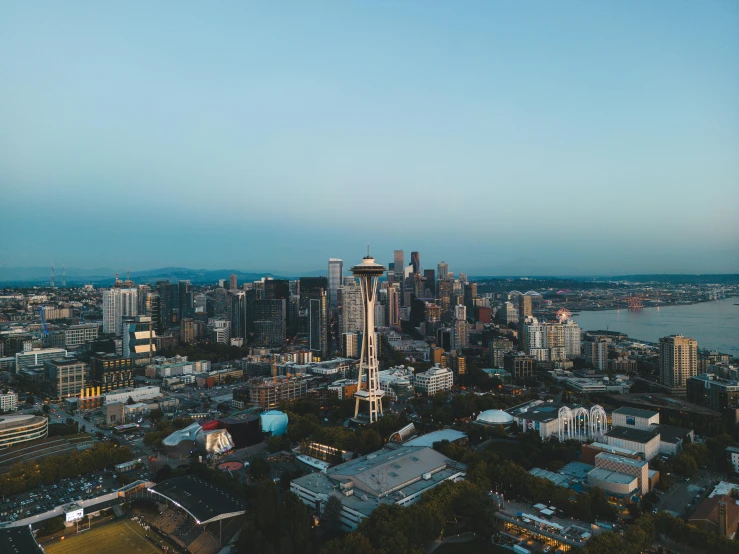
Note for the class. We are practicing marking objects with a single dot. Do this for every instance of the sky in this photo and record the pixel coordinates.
(506, 138)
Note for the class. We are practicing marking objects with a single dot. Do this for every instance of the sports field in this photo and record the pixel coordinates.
(119, 537)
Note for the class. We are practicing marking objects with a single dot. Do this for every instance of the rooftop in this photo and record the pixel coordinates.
(556, 478)
(203, 501)
(18, 540)
(12, 421)
(633, 435)
(603, 474)
(621, 460)
(429, 439)
(541, 413)
(636, 412)
(672, 433)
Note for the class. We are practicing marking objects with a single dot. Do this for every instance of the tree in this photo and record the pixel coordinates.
(163, 473)
(331, 518)
(45, 408)
(260, 468)
(130, 401)
(30, 400)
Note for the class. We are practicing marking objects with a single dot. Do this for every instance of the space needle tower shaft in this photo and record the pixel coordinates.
(369, 390)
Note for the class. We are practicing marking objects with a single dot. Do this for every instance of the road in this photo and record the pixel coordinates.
(681, 498)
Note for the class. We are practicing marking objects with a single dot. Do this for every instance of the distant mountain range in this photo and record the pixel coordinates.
(20, 276)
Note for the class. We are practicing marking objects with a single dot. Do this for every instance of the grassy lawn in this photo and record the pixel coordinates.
(119, 537)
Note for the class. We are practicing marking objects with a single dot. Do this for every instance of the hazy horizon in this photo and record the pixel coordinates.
(537, 138)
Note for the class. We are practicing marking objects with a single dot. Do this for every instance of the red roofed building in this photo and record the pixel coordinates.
(719, 514)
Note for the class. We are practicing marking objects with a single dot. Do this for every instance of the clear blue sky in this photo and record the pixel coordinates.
(552, 137)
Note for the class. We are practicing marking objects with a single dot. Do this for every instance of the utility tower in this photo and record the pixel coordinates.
(369, 272)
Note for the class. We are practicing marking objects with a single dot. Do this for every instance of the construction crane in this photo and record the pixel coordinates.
(43, 320)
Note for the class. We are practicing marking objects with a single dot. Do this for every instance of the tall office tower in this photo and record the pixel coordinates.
(508, 313)
(393, 305)
(232, 282)
(416, 262)
(462, 277)
(460, 338)
(143, 290)
(314, 313)
(238, 314)
(185, 300)
(418, 285)
(153, 310)
(554, 334)
(335, 279)
(429, 277)
(139, 339)
(221, 304)
(445, 294)
(117, 304)
(442, 271)
(572, 338)
(678, 361)
(266, 322)
(470, 295)
(188, 330)
(525, 307)
(276, 289)
(369, 391)
(399, 267)
(350, 309)
(596, 352)
(169, 303)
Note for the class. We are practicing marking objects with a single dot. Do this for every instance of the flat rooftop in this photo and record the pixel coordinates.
(621, 460)
(429, 439)
(633, 435)
(603, 474)
(636, 412)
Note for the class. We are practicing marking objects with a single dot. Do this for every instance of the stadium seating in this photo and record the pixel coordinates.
(204, 544)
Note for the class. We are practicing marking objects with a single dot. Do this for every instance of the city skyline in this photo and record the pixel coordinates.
(608, 128)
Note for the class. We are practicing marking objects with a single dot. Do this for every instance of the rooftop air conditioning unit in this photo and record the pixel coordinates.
(427, 476)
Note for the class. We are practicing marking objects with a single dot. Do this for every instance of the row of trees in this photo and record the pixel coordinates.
(662, 528)
(28, 475)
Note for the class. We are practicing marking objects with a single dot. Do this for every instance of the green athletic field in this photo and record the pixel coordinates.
(119, 537)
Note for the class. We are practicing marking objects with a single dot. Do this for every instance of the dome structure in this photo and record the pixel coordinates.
(494, 417)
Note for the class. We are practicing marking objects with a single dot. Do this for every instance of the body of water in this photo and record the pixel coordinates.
(715, 324)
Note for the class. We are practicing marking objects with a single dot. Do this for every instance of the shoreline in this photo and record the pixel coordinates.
(665, 305)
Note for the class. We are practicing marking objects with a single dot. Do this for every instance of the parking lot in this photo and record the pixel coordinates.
(685, 495)
(48, 497)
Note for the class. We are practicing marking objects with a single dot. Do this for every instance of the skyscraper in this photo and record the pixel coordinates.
(416, 262)
(572, 338)
(314, 313)
(335, 278)
(596, 352)
(369, 273)
(398, 267)
(460, 331)
(233, 284)
(678, 361)
(393, 305)
(429, 286)
(442, 271)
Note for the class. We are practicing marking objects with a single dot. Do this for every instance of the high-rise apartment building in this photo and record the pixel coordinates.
(117, 304)
(596, 352)
(532, 336)
(555, 340)
(572, 338)
(335, 280)
(112, 372)
(525, 307)
(460, 337)
(350, 309)
(678, 361)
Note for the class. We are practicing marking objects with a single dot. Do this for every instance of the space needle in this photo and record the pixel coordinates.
(369, 273)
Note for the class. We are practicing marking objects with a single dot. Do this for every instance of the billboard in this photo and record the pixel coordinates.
(75, 515)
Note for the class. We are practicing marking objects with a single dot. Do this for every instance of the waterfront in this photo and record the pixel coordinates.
(715, 324)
